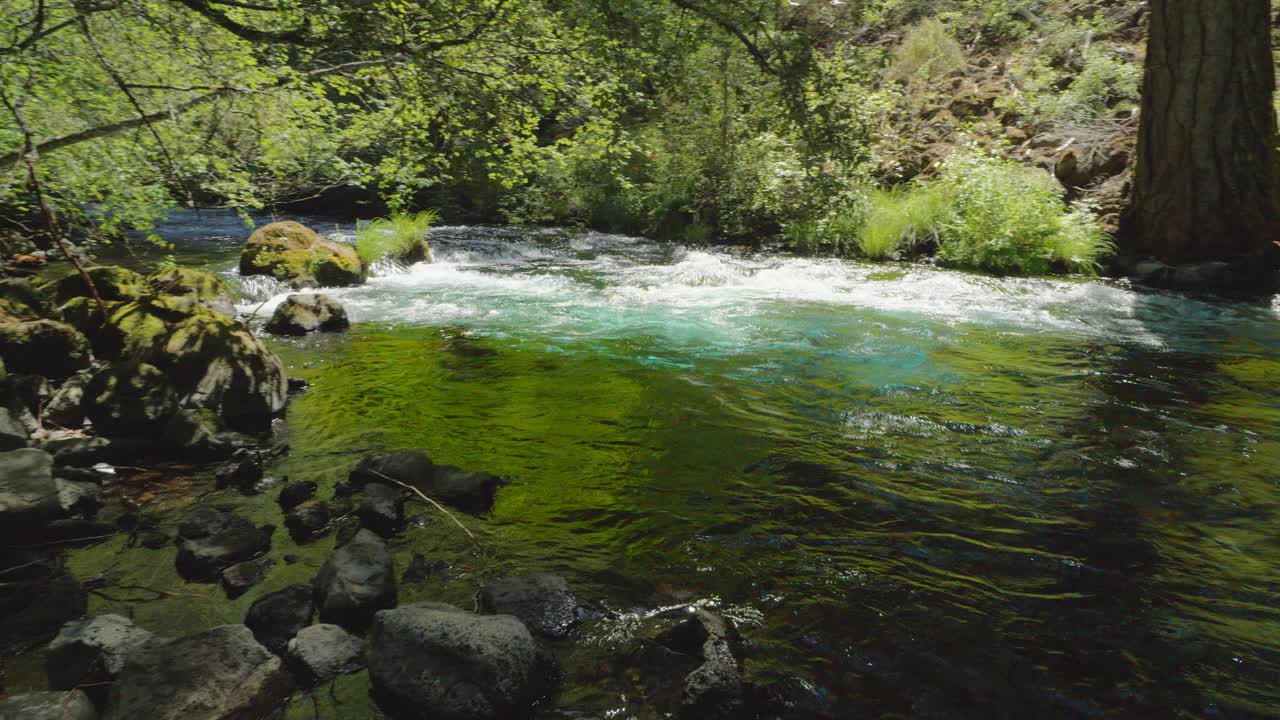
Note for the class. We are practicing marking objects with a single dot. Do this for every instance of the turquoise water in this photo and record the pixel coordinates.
(929, 494)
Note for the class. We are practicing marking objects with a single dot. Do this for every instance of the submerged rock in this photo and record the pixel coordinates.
(294, 494)
(91, 653)
(218, 674)
(422, 569)
(129, 400)
(44, 347)
(275, 618)
(434, 660)
(323, 652)
(310, 520)
(293, 253)
(242, 471)
(382, 509)
(238, 578)
(471, 491)
(73, 705)
(308, 313)
(34, 606)
(542, 601)
(355, 582)
(212, 539)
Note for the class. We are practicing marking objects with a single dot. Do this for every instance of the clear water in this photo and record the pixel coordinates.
(928, 493)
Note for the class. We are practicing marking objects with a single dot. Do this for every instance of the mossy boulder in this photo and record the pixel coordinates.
(201, 287)
(43, 347)
(293, 253)
(129, 400)
(113, 284)
(19, 300)
(213, 361)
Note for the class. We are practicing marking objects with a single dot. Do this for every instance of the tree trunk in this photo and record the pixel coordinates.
(1207, 163)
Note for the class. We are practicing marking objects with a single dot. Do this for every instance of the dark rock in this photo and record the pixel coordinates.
(421, 569)
(355, 582)
(714, 689)
(13, 434)
(73, 705)
(213, 538)
(129, 400)
(28, 493)
(24, 396)
(242, 471)
(190, 436)
(467, 490)
(308, 313)
(310, 520)
(323, 652)
(33, 609)
(276, 617)
(64, 409)
(218, 674)
(293, 253)
(90, 653)
(238, 578)
(43, 347)
(382, 509)
(542, 601)
(294, 494)
(434, 660)
(298, 385)
(84, 452)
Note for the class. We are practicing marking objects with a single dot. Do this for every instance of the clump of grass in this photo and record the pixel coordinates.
(402, 236)
(927, 52)
(1011, 220)
(902, 220)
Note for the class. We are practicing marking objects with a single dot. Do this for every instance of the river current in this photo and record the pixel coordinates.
(920, 493)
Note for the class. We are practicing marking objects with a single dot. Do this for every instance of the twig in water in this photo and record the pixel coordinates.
(437, 505)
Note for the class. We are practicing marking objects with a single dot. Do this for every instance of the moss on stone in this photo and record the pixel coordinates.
(293, 253)
(44, 347)
(195, 286)
(19, 299)
(112, 283)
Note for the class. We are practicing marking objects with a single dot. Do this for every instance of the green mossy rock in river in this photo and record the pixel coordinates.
(43, 347)
(293, 253)
(20, 300)
(204, 288)
(213, 360)
(112, 283)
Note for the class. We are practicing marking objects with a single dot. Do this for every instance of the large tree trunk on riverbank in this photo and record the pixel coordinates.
(1206, 185)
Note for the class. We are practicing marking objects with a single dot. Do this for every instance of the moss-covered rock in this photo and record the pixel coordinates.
(216, 363)
(129, 399)
(201, 287)
(43, 347)
(293, 253)
(113, 283)
(19, 300)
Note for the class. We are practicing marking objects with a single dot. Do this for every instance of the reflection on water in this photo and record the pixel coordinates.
(930, 494)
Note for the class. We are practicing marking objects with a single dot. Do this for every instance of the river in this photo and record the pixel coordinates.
(920, 493)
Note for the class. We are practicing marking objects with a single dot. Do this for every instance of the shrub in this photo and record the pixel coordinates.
(927, 53)
(1011, 220)
(394, 237)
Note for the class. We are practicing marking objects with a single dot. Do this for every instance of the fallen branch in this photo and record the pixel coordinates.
(437, 505)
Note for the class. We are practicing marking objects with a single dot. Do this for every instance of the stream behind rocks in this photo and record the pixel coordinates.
(917, 492)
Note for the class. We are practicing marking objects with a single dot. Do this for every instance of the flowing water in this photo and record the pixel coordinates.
(928, 494)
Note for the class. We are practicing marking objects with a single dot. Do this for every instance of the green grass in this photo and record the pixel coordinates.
(394, 237)
(900, 220)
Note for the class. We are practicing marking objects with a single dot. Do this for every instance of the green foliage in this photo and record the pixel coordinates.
(1011, 220)
(901, 220)
(393, 238)
(926, 53)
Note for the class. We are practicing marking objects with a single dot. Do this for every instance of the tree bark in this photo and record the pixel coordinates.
(1206, 183)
